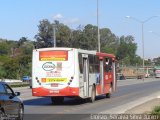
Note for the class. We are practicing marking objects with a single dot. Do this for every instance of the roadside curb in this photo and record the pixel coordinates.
(20, 88)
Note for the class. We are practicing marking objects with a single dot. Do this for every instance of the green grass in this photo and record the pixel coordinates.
(156, 110)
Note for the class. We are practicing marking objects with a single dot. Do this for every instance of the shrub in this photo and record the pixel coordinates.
(156, 110)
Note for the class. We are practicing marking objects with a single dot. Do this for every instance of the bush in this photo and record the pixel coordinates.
(156, 110)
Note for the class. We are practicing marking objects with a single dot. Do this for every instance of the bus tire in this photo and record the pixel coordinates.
(93, 94)
(108, 95)
(57, 100)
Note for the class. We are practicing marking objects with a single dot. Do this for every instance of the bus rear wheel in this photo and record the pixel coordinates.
(108, 95)
(57, 100)
(93, 94)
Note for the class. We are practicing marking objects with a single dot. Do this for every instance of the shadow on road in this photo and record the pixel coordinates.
(57, 116)
(46, 101)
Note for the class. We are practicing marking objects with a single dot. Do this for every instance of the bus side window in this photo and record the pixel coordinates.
(91, 64)
(80, 63)
(97, 69)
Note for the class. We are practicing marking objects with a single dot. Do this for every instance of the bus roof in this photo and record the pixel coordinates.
(52, 48)
(106, 54)
(80, 50)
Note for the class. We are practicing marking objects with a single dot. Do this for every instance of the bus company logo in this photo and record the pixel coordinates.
(48, 66)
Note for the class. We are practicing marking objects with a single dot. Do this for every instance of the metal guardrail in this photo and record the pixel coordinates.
(15, 83)
(10, 80)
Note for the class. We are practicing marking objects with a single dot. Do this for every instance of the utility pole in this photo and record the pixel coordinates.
(54, 34)
(99, 44)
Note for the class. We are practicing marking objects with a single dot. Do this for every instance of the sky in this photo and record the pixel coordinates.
(20, 18)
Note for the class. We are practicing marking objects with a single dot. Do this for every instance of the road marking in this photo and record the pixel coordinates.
(60, 113)
(67, 110)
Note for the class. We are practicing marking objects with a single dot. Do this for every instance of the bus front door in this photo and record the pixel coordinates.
(86, 75)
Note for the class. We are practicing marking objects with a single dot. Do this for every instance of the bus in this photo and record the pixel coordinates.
(71, 72)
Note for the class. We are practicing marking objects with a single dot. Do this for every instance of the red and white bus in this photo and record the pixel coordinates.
(70, 72)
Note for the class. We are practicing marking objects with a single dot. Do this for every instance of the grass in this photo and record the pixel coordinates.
(156, 110)
(155, 113)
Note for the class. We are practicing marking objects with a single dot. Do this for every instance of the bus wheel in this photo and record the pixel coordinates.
(93, 94)
(108, 95)
(57, 100)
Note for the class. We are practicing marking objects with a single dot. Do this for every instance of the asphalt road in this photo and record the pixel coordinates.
(129, 93)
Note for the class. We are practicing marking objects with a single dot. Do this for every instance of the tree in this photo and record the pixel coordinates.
(63, 35)
(127, 49)
(109, 42)
(25, 65)
(86, 38)
(2, 71)
(21, 41)
(157, 61)
(12, 69)
(77, 37)
(89, 40)
(25, 45)
(4, 48)
(17, 67)
(44, 36)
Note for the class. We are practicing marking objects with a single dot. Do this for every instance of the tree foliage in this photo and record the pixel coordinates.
(45, 34)
(4, 48)
(16, 60)
(15, 56)
(85, 37)
(157, 61)
(127, 50)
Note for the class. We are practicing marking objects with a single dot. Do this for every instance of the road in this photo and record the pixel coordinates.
(129, 93)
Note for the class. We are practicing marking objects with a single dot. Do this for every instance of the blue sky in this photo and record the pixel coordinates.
(20, 18)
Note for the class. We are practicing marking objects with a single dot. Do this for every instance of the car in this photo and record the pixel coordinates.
(10, 105)
(120, 76)
(26, 78)
(140, 77)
